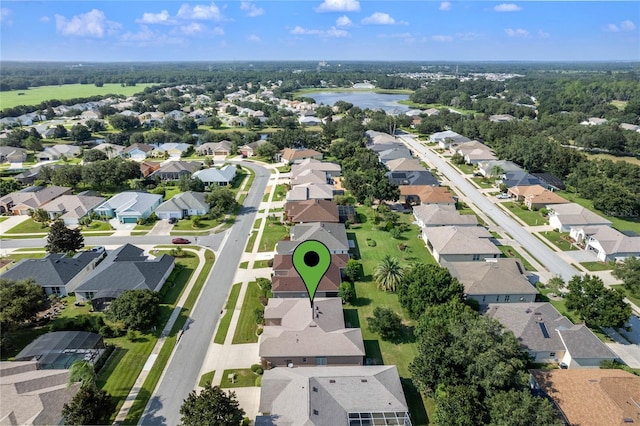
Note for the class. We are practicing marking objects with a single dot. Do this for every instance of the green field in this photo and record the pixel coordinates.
(530, 217)
(247, 327)
(36, 95)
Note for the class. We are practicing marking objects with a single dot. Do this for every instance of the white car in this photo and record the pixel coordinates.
(502, 196)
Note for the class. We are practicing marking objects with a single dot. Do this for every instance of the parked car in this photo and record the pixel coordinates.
(503, 196)
(98, 249)
(173, 220)
(180, 241)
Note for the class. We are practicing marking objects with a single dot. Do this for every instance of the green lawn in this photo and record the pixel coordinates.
(262, 264)
(97, 225)
(29, 226)
(257, 224)
(597, 266)
(30, 249)
(244, 377)
(530, 217)
(467, 169)
(621, 224)
(36, 95)
(170, 191)
(246, 328)
(284, 169)
(206, 378)
(635, 300)
(243, 265)
(559, 239)
(509, 251)
(559, 304)
(280, 192)
(187, 225)
(251, 242)
(271, 234)
(145, 227)
(484, 182)
(223, 325)
(3, 218)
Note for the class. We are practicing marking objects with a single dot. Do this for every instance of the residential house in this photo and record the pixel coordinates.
(405, 165)
(29, 176)
(183, 204)
(377, 148)
(33, 396)
(535, 196)
(518, 178)
(129, 206)
(631, 127)
(31, 198)
(56, 273)
(549, 181)
(609, 244)
(380, 138)
(332, 170)
(444, 139)
(593, 396)
(502, 280)
(549, 337)
(137, 151)
(432, 111)
(216, 177)
(311, 191)
(250, 149)
(473, 152)
(286, 282)
(329, 396)
(318, 177)
(300, 335)
(414, 178)
(72, 208)
(442, 215)
(222, 148)
(148, 167)
(309, 121)
(290, 155)
(125, 268)
(59, 349)
(171, 150)
(593, 121)
(110, 149)
(393, 154)
(311, 211)
(459, 243)
(564, 216)
(423, 194)
(172, 170)
(501, 118)
(332, 235)
(497, 168)
(58, 152)
(10, 154)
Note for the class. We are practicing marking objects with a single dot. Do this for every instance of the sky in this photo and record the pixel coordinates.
(329, 30)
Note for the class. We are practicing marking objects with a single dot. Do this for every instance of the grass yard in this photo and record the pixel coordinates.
(620, 223)
(247, 327)
(271, 234)
(262, 264)
(3, 218)
(187, 225)
(30, 249)
(145, 227)
(284, 169)
(206, 378)
(559, 304)
(509, 251)
(597, 266)
(138, 233)
(97, 225)
(243, 378)
(257, 224)
(225, 321)
(29, 226)
(251, 242)
(484, 182)
(280, 193)
(466, 169)
(530, 217)
(243, 265)
(559, 239)
(36, 95)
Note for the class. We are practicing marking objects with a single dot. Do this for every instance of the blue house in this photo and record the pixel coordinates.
(129, 206)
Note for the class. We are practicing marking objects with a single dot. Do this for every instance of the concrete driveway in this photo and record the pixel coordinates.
(629, 354)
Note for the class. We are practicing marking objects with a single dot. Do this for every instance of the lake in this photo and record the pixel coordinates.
(374, 101)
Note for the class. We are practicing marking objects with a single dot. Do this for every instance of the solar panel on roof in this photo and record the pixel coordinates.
(543, 328)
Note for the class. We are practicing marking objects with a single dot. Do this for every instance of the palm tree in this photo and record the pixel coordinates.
(388, 274)
(83, 372)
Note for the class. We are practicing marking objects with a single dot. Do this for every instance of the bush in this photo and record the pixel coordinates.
(258, 315)
(371, 243)
(254, 367)
(90, 323)
(386, 323)
(258, 381)
(396, 234)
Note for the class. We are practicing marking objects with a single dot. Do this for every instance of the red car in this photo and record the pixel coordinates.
(180, 241)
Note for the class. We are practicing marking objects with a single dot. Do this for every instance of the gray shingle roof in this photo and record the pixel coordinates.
(498, 276)
(582, 343)
(184, 201)
(54, 270)
(333, 235)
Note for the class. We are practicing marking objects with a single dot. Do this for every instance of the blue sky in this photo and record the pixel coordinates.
(331, 30)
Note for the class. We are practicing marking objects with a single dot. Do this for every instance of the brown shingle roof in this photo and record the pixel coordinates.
(286, 279)
(427, 194)
(312, 211)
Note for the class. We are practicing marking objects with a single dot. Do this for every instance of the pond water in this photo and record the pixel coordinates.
(374, 101)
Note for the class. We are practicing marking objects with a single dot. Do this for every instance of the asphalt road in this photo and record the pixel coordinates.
(181, 374)
(536, 248)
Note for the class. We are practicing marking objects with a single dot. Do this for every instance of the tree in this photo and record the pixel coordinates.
(424, 285)
(629, 272)
(352, 270)
(221, 200)
(80, 133)
(520, 408)
(597, 305)
(136, 309)
(62, 239)
(267, 151)
(346, 292)
(60, 132)
(83, 372)
(124, 123)
(40, 215)
(90, 406)
(212, 407)
(19, 301)
(33, 144)
(555, 284)
(9, 186)
(92, 155)
(388, 274)
(458, 406)
(386, 323)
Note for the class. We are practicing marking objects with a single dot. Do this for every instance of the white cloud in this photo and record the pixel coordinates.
(623, 26)
(331, 32)
(44, 19)
(507, 7)
(396, 35)
(254, 38)
(90, 24)
(518, 32)
(442, 38)
(445, 6)
(155, 18)
(4, 15)
(339, 6)
(343, 21)
(381, 18)
(202, 12)
(543, 34)
(468, 36)
(251, 9)
(192, 28)
(146, 37)
(218, 31)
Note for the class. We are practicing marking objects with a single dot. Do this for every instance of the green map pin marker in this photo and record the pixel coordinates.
(311, 259)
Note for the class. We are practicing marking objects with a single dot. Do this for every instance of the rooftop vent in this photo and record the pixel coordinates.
(363, 380)
(331, 381)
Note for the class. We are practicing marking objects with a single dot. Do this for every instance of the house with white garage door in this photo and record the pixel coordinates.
(183, 205)
(129, 206)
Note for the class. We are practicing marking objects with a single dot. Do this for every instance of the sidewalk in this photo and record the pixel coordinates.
(137, 386)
